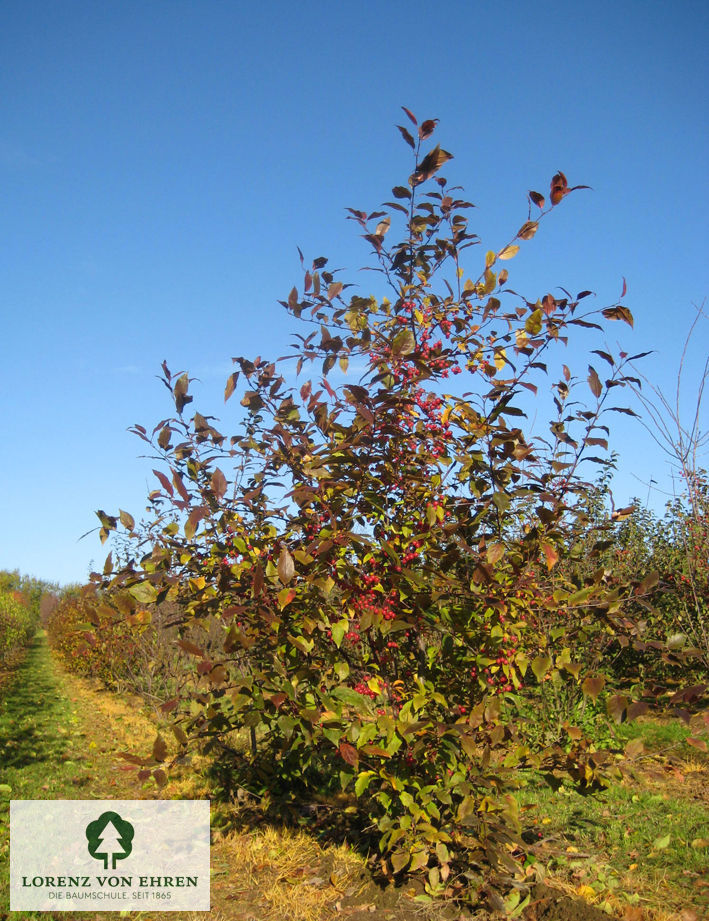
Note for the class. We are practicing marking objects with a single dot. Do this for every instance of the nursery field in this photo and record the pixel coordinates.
(638, 851)
(394, 626)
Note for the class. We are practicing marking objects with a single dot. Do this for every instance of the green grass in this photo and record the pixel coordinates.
(38, 745)
(656, 735)
(645, 840)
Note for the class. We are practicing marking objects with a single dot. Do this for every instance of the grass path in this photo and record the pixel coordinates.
(53, 742)
(59, 738)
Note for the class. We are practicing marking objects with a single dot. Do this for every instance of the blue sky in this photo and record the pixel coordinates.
(161, 162)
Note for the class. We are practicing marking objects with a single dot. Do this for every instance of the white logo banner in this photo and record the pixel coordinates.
(109, 855)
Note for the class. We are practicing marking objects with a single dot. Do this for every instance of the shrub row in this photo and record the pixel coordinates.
(126, 650)
(17, 623)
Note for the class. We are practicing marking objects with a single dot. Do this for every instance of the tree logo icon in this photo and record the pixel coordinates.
(110, 839)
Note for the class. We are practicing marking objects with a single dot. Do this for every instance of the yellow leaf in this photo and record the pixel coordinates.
(508, 252)
(285, 596)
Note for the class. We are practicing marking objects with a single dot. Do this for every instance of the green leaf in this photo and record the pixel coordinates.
(533, 324)
(661, 843)
(338, 631)
(342, 670)
(145, 593)
(285, 596)
(404, 343)
(363, 781)
(540, 666)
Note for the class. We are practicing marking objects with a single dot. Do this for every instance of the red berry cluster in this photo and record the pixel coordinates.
(363, 688)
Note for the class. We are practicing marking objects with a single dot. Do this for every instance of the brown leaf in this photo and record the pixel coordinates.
(527, 230)
(593, 685)
(218, 483)
(164, 482)
(407, 137)
(427, 128)
(190, 647)
(537, 199)
(548, 304)
(159, 748)
(618, 313)
(134, 759)
(411, 115)
(430, 164)
(552, 557)
(127, 520)
(230, 385)
(616, 706)
(180, 486)
(495, 552)
(164, 437)
(160, 777)
(594, 382)
(258, 580)
(286, 566)
(699, 744)
(634, 748)
(180, 393)
(559, 188)
(348, 753)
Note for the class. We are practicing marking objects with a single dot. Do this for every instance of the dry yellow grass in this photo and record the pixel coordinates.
(286, 874)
